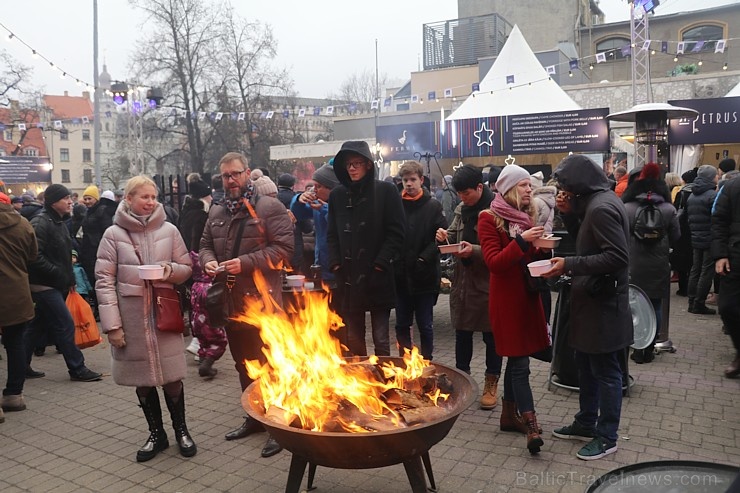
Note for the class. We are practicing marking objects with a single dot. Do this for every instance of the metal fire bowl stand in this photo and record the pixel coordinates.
(409, 446)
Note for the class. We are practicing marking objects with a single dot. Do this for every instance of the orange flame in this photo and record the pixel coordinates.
(306, 377)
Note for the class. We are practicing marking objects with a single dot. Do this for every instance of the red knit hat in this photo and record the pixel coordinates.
(4, 199)
(650, 171)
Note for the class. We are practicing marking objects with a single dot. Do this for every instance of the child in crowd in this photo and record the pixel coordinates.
(82, 284)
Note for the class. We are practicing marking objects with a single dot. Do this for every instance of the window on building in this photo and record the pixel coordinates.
(64, 155)
(706, 34)
(612, 48)
(2, 152)
(64, 134)
(87, 175)
(107, 127)
(86, 155)
(65, 176)
(9, 135)
(85, 134)
(30, 151)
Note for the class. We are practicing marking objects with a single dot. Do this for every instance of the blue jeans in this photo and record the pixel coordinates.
(14, 349)
(423, 306)
(380, 321)
(52, 315)
(600, 380)
(464, 352)
(516, 383)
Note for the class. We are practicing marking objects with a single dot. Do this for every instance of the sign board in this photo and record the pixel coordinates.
(25, 169)
(400, 142)
(718, 122)
(539, 133)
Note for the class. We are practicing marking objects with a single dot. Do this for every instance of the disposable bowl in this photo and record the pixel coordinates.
(451, 248)
(536, 269)
(295, 281)
(548, 242)
(151, 272)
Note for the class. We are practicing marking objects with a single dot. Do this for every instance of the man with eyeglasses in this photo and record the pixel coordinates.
(365, 237)
(266, 244)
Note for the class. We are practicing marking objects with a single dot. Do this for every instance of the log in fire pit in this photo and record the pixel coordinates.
(345, 450)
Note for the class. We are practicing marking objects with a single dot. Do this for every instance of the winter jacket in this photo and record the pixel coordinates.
(726, 225)
(53, 266)
(18, 247)
(150, 357)
(517, 317)
(82, 283)
(544, 203)
(600, 317)
(266, 244)
(449, 199)
(98, 218)
(285, 196)
(650, 268)
(365, 237)
(699, 209)
(31, 210)
(470, 285)
(192, 222)
(418, 270)
(304, 212)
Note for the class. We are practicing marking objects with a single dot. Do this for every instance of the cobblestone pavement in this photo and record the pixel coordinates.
(78, 437)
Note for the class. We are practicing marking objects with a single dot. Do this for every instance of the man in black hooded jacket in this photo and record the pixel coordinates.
(365, 237)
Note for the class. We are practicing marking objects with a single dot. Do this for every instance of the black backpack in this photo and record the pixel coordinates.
(649, 225)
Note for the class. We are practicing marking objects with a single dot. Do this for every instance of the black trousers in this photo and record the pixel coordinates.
(245, 343)
(729, 308)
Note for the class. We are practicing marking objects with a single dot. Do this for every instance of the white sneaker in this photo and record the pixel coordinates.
(193, 346)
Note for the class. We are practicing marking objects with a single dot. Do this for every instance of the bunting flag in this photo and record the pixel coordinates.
(646, 44)
(448, 93)
(85, 120)
(201, 115)
(626, 50)
(330, 110)
(680, 48)
(58, 124)
(269, 115)
(431, 95)
(550, 69)
(720, 46)
(241, 116)
(698, 47)
(219, 115)
(374, 104)
(301, 112)
(600, 57)
(509, 79)
(316, 110)
(387, 103)
(286, 113)
(476, 86)
(40, 125)
(414, 98)
(664, 46)
(352, 107)
(573, 64)
(22, 127)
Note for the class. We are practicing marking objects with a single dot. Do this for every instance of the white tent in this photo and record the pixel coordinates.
(735, 91)
(532, 90)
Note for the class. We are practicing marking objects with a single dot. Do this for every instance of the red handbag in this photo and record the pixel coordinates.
(167, 310)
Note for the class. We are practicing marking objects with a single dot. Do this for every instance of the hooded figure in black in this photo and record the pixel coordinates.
(600, 317)
(98, 218)
(365, 237)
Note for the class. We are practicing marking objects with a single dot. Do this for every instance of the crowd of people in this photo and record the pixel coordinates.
(373, 245)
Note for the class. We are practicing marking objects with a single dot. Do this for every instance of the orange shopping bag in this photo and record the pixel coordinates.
(86, 329)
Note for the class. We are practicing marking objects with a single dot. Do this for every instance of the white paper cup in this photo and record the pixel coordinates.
(536, 269)
(151, 272)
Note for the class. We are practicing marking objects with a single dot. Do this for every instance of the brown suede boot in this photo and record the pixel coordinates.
(534, 441)
(489, 399)
(510, 419)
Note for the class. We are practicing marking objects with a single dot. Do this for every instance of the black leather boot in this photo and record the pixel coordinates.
(271, 447)
(249, 426)
(177, 412)
(157, 440)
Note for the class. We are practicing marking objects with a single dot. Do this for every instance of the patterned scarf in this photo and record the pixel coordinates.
(518, 221)
(236, 205)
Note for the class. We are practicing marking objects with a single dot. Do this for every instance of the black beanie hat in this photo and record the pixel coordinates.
(286, 180)
(727, 164)
(55, 193)
(199, 189)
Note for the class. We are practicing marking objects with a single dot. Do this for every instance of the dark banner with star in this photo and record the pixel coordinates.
(539, 133)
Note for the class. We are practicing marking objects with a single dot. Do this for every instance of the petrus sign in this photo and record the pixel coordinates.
(400, 142)
(25, 169)
(718, 122)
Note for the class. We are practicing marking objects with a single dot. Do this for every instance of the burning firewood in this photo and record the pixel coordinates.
(416, 416)
(400, 397)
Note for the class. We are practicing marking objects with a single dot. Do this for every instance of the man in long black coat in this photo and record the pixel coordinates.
(365, 238)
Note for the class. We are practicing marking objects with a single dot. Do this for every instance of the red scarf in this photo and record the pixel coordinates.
(519, 221)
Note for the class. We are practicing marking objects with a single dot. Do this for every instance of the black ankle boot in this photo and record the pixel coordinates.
(691, 305)
(177, 412)
(157, 440)
(701, 309)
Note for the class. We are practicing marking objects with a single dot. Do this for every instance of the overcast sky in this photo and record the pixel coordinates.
(320, 42)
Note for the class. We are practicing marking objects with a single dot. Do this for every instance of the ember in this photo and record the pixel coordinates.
(306, 382)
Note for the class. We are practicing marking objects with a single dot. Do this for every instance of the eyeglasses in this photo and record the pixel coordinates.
(233, 175)
(356, 164)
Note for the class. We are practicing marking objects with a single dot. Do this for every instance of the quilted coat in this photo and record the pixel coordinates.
(150, 357)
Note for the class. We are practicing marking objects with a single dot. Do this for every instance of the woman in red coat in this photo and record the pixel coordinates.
(506, 232)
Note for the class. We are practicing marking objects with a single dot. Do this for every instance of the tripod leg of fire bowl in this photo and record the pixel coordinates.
(311, 475)
(295, 475)
(430, 474)
(415, 473)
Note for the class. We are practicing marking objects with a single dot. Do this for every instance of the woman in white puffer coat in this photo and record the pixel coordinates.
(144, 357)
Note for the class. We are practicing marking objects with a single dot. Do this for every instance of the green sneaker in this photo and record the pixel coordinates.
(596, 449)
(576, 431)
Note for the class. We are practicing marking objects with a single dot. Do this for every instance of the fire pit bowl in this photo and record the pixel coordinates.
(342, 450)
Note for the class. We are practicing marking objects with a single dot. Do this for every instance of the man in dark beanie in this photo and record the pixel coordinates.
(365, 238)
(51, 277)
(727, 165)
(285, 184)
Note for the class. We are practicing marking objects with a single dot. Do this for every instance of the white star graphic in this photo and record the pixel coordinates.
(484, 140)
